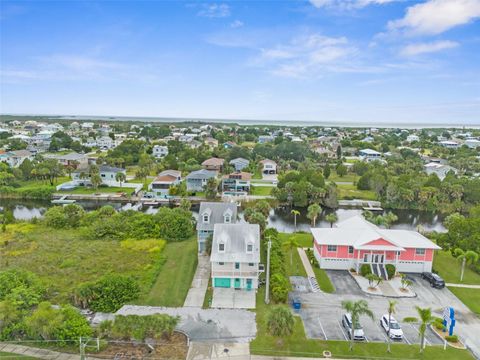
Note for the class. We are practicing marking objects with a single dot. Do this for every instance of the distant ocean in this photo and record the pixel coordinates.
(292, 123)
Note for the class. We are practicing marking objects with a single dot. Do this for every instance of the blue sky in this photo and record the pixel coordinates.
(322, 60)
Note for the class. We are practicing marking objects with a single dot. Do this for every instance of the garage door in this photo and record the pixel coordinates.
(222, 282)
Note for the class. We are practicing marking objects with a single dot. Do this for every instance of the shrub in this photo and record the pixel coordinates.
(365, 270)
(280, 288)
(452, 338)
(390, 270)
(21, 288)
(142, 327)
(410, 319)
(280, 321)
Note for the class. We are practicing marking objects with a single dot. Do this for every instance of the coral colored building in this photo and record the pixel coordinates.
(355, 241)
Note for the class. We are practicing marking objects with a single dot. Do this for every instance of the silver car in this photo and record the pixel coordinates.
(358, 333)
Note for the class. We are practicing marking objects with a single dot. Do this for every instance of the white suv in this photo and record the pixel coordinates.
(396, 332)
(358, 333)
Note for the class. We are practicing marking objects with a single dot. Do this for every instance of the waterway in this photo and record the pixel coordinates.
(279, 218)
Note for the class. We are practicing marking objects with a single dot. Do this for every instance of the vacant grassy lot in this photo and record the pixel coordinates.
(349, 177)
(303, 239)
(449, 269)
(63, 259)
(179, 261)
(298, 345)
(349, 192)
(261, 190)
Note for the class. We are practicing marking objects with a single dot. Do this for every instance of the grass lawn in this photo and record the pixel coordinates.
(175, 276)
(63, 259)
(5, 355)
(349, 192)
(449, 269)
(298, 345)
(349, 177)
(35, 183)
(303, 239)
(207, 300)
(261, 190)
(323, 280)
(470, 297)
(101, 190)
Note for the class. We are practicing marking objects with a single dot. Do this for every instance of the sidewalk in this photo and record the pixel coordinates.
(463, 286)
(196, 294)
(39, 353)
(306, 263)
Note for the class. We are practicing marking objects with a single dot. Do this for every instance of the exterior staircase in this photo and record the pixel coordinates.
(383, 272)
(314, 284)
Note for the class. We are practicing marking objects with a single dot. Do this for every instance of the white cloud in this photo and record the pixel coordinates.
(214, 11)
(348, 4)
(424, 48)
(436, 16)
(306, 56)
(236, 24)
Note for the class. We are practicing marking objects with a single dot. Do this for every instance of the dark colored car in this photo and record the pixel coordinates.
(434, 280)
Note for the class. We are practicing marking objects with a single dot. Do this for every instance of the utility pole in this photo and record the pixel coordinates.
(267, 280)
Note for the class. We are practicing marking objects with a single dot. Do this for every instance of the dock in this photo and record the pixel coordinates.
(63, 201)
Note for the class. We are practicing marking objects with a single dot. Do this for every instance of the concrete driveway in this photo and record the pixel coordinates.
(233, 299)
(322, 312)
(196, 293)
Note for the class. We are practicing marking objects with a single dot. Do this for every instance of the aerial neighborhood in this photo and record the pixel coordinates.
(331, 240)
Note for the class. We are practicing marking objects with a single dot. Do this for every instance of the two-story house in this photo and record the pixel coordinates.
(166, 179)
(235, 257)
(269, 167)
(212, 213)
(237, 182)
(239, 163)
(213, 164)
(197, 180)
(159, 151)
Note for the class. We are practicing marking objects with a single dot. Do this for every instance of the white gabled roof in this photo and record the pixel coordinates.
(358, 232)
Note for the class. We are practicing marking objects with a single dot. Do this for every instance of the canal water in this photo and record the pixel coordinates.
(279, 218)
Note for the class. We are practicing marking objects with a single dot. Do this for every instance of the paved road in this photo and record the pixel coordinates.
(196, 294)
(38, 353)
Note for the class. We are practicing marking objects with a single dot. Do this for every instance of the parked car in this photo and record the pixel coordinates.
(396, 332)
(435, 280)
(358, 333)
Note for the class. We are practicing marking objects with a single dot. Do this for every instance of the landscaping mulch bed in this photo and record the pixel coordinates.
(173, 348)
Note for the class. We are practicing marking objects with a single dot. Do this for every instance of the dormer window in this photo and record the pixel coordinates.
(206, 218)
(249, 248)
(221, 247)
(227, 219)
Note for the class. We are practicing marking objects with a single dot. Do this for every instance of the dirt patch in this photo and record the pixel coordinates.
(173, 348)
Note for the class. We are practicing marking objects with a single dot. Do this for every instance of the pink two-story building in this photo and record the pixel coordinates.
(355, 241)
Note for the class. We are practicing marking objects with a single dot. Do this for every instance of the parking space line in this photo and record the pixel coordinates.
(323, 331)
(366, 338)
(406, 339)
(341, 329)
(382, 331)
(426, 340)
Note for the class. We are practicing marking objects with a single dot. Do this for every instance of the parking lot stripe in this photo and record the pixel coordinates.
(406, 339)
(323, 331)
(341, 329)
(426, 340)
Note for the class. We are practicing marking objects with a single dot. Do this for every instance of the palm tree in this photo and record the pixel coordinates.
(120, 177)
(331, 218)
(391, 310)
(295, 213)
(313, 211)
(470, 257)
(356, 309)
(426, 318)
(290, 244)
(389, 219)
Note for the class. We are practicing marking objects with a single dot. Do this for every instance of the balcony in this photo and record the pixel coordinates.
(232, 274)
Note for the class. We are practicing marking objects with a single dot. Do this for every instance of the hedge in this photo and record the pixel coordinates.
(365, 269)
(390, 270)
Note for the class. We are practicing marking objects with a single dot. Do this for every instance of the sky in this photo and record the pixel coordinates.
(379, 61)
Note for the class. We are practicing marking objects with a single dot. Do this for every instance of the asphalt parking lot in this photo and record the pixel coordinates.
(322, 313)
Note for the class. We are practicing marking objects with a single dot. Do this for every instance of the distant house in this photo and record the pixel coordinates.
(17, 157)
(237, 182)
(412, 138)
(213, 164)
(212, 213)
(211, 142)
(81, 176)
(449, 144)
(369, 154)
(166, 179)
(105, 143)
(472, 143)
(263, 139)
(159, 151)
(235, 257)
(229, 144)
(72, 159)
(269, 167)
(355, 241)
(239, 163)
(440, 169)
(197, 180)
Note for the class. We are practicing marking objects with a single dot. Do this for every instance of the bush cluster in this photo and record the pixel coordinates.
(365, 270)
(390, 268)
(279, 284)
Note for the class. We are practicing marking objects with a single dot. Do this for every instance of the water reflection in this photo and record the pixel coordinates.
(280, 218)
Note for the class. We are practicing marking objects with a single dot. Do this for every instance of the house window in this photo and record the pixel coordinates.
(332, 248)
(237, 266)
(227, 219)
(419, 251)
(350, 249)
(221, 247)
(221, 263)
(206, 218)
(250, 264)
(249, 248)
